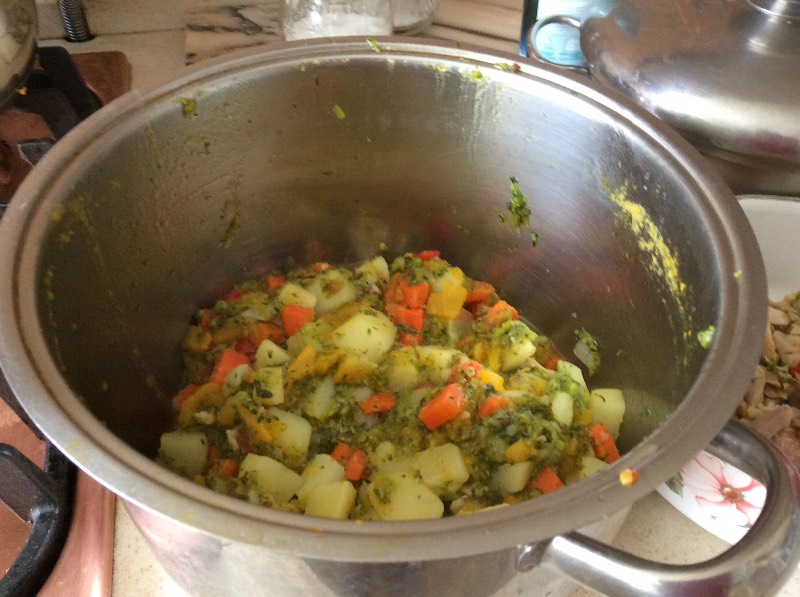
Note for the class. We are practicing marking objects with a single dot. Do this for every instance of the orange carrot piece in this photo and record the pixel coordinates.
(227, 467)
(341, 453)
(379, 403)
(428, 255)
(445, 407)
(321, 266)
(356, 464)
(604, 446)
(274, 281)
(266, 330)
(501, 311)
(407, 339)
(547, 481)
(492, 404)
(415, 295)
(479, 293)
(294, 317)
(407, 316)
(181, 396)
(233, 295)
(465, 371)
(552, 363)
(403, 292)
(228, 361)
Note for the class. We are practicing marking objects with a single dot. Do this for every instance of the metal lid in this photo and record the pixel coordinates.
(725, 73)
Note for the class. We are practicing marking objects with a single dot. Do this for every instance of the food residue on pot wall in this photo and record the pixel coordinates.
(649, 239)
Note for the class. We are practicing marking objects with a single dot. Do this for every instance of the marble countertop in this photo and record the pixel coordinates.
(152, 34)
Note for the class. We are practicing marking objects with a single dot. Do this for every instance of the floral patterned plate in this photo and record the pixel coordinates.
(716, 495)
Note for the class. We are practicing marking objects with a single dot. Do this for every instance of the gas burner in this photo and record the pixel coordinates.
(61, 91)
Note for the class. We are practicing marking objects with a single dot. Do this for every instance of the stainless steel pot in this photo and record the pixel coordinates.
(724, 73)
(18, 27)
(329, 150)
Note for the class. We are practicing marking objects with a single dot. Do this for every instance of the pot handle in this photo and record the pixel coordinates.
(530, 39)
(759, 564)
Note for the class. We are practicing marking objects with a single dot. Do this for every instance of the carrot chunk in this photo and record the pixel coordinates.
(266, 330)
(413, 318)
(294, 317)
(379, 403)
(181, 396)
(228, 361)
(445, 407)
(547, 481)
(502, 311)
(479, 293)
(604, 446)
(275, 281)
(492, 404)
(356, 465)
(227, 467)
(341, 453)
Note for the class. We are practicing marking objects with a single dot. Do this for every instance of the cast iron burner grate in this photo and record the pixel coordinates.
(62, 90)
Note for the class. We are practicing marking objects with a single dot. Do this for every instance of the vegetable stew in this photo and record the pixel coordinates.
(383, 392)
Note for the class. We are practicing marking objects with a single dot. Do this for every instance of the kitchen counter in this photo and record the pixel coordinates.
(152, 35)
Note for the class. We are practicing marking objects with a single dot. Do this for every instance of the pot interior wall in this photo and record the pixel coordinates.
(290, 162)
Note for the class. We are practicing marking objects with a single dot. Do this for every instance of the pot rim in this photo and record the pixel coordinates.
(35, 377)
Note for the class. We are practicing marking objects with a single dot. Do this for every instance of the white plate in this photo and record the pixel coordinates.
(714, 494)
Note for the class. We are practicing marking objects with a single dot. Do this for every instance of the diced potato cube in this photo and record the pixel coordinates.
(401, 370)
(321, 470)
(442, 468)
(320, 403)
(331, 500)
(268, 386)
(562, 408)
(184, 452)
(590, 465)
(511, 478)
(515, 355)
(437, 363)
(388, 458)
(270, 354)
(312, 334)
(403, 496)
(270, 476)
(234, 379)
(368, 333)
(294, 294)
(332, 289)
(608, 407)
(573, 371)
(290, 432)
(375, 270)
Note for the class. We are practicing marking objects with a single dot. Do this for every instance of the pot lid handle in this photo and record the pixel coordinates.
(758, 564)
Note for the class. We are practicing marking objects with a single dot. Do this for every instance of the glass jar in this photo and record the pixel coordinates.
(412, 16)
(304, 19)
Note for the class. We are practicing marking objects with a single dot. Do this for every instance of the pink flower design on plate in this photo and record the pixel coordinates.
(723, 492)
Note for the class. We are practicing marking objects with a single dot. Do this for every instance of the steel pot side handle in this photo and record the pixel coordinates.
(533, 31)
(758, 565)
